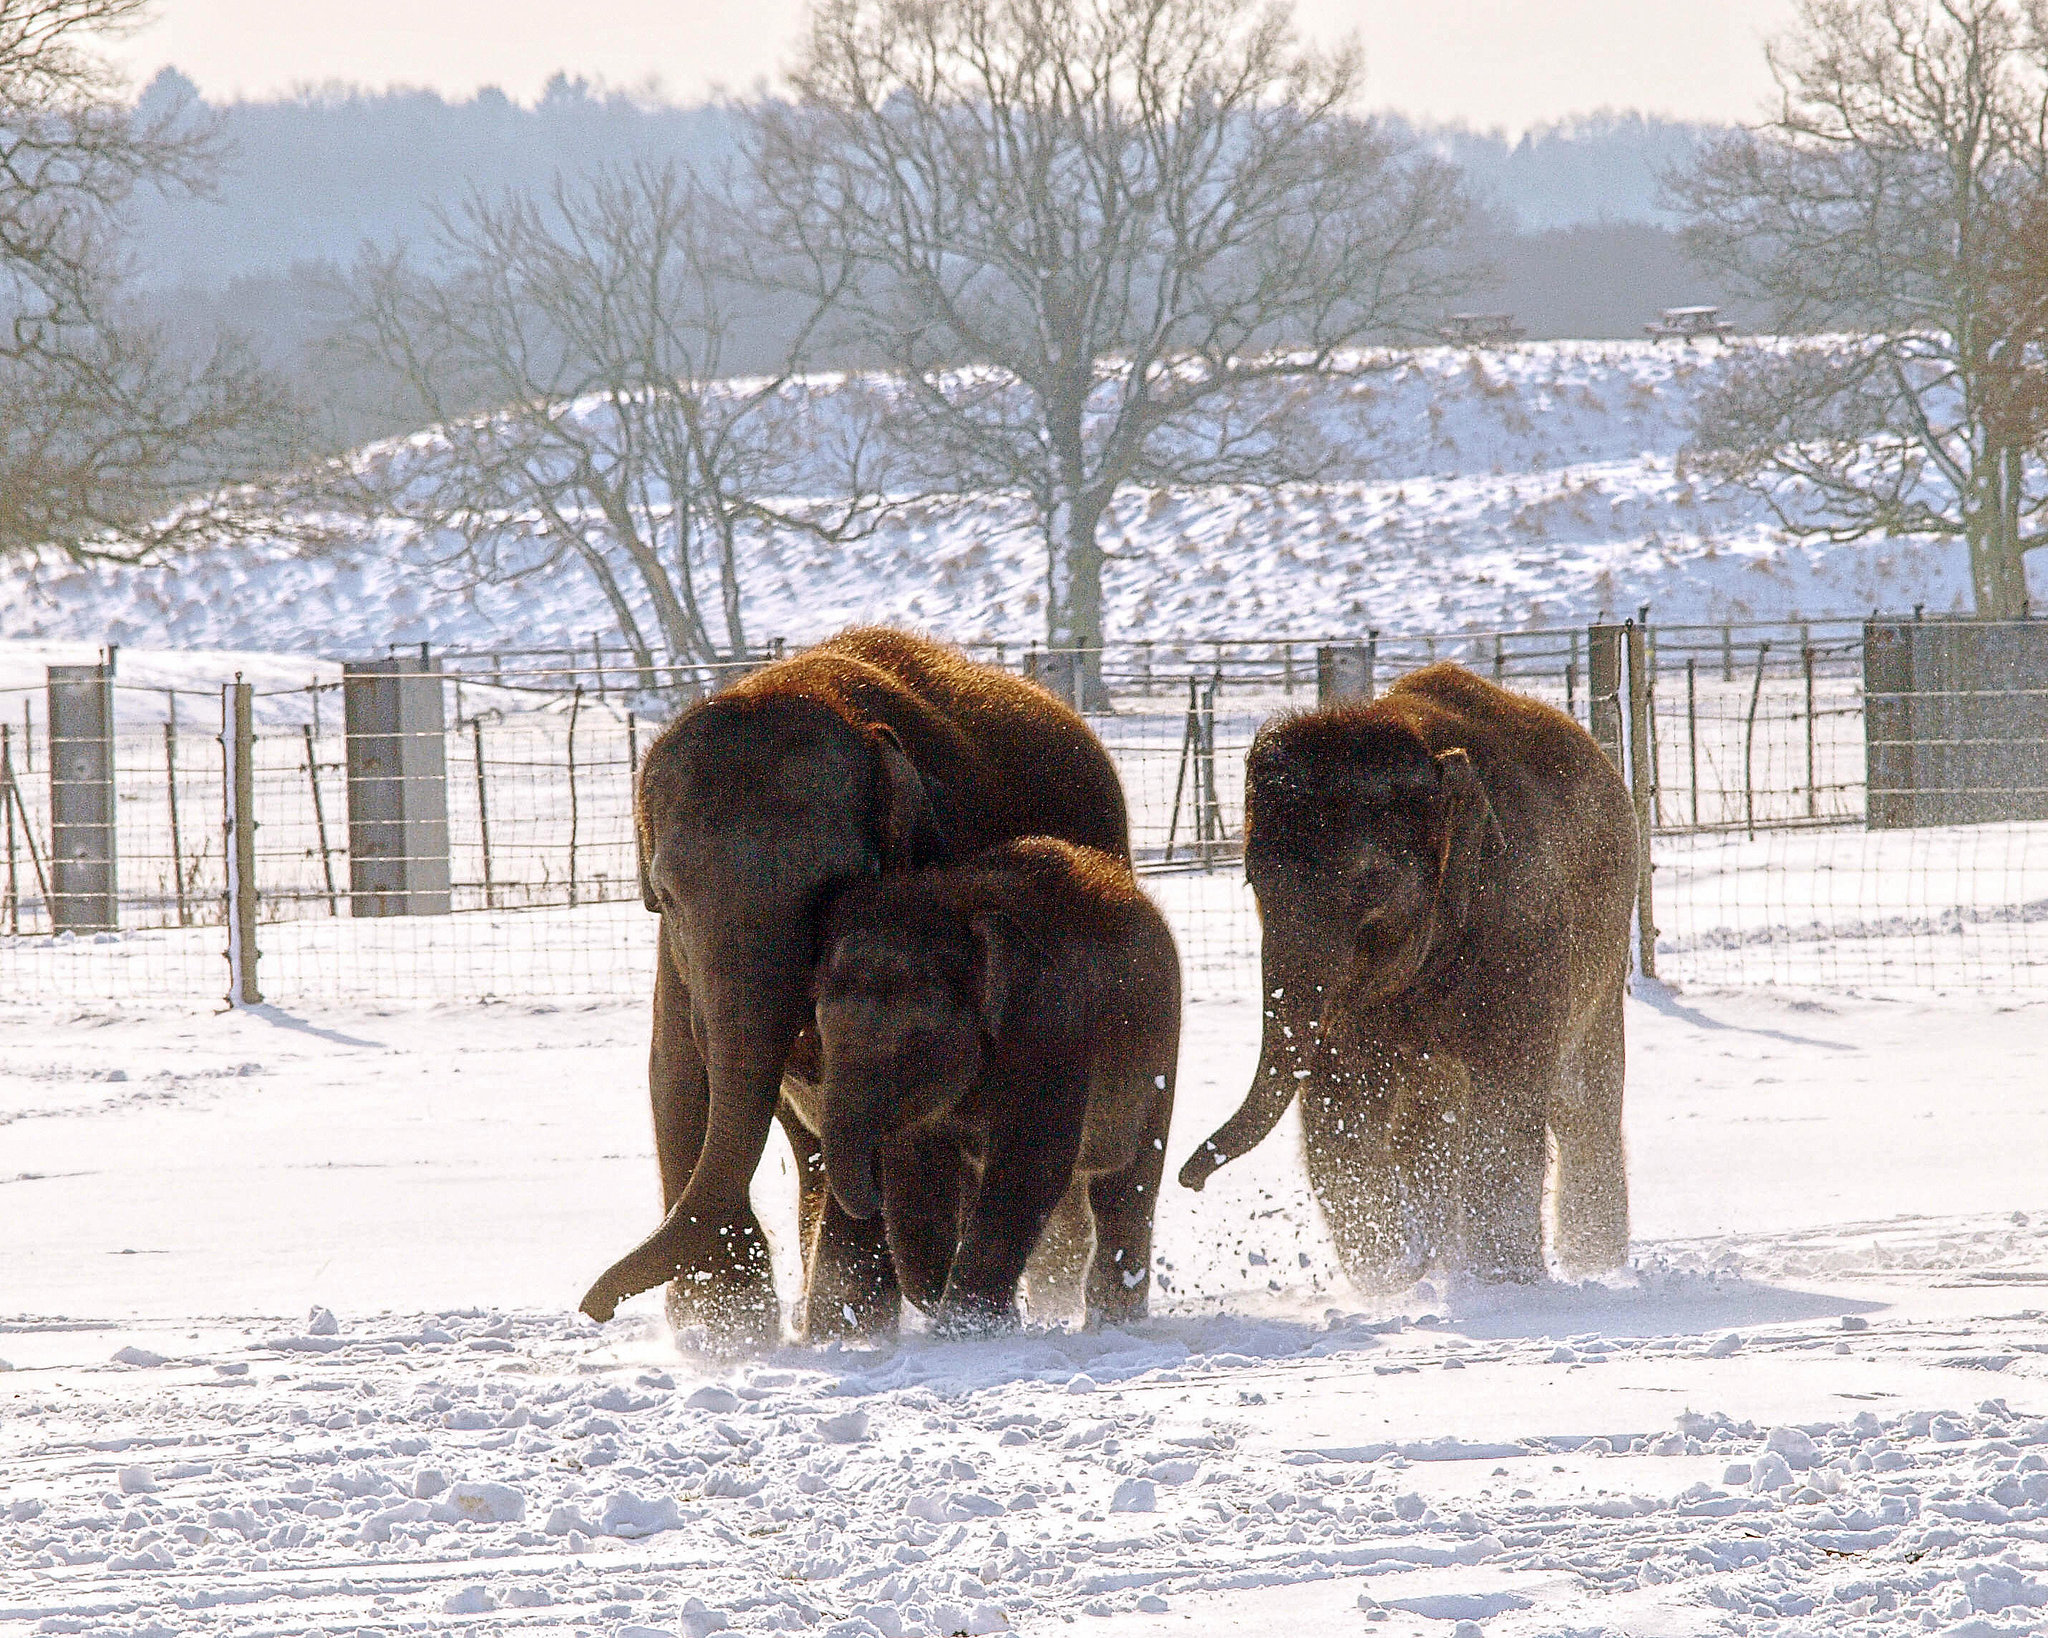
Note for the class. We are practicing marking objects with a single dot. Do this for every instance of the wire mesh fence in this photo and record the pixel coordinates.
(1774, 862)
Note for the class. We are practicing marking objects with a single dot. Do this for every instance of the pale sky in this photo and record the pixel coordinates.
(1511, 63)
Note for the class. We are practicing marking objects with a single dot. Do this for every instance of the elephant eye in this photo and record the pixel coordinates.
(871, 862)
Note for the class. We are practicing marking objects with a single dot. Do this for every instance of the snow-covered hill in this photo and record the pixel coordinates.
(1531, 487)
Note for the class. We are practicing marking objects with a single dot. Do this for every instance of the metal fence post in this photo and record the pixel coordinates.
(1344, 672)
(10, 900)
(10, 798)
(633, 807)
(1692, 732)
(575, 710)
(1603, 692)
(1650, 710)
(1642, 786)
(483, 811)
(1756, 692)
(1812, 785)
(395, 724)
(1212, 824)
(238, 790)
(171, 794)
(1189, 748)
(320, 819)
(84, 880)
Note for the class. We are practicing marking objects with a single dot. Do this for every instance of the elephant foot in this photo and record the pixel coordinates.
(1385, 1279)
(965, 1318)
(1121, 1312)
(832, 1318)
(1380, 1264)
(1587, 1255)
(1516, 1272)
(1590, 1242)
(850, 1288)
(705, 1319)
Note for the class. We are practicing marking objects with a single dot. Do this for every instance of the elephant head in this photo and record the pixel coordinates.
(753, 812)
(908, 996)
(1363, 849)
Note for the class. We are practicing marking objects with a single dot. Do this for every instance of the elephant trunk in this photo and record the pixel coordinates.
(752, 1018)
(850, 1169)
(1285, 1048)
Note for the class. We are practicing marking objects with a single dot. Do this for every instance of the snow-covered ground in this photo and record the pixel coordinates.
(1817, 1403)
(1536, 486)
(288, 1292)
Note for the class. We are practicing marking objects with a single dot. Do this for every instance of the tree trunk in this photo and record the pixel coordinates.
(1998, 573)
(1073, 605)
(1998, 564)
(729, 579)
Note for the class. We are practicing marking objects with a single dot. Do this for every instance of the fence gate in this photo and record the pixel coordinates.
(397, 788)
(1955, 721)
(83, 886)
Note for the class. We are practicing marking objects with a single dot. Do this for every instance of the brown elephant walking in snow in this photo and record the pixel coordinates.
(1445, 879)
(875, 751)
(1000, 1039)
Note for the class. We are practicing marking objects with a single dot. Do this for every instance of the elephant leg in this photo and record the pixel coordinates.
(1120, 1276)
(1428, 1127)
(1027, 1171)
(1055, 1277)
(923, 1179)
(1503, 1170)
(849, 1281)
(812, 1188)
(1347, 1140)
(1591, 1189)
(733, 1294)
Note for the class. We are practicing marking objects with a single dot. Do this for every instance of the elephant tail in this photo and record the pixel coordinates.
(1260, 1112)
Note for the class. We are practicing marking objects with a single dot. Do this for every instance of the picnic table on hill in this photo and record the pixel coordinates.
(1480, 329)
(1691, 324)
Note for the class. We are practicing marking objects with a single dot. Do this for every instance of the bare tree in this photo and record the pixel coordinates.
(120, 447)
(112, 443)
(1896, 193)
(1122, 217)
(591, 324)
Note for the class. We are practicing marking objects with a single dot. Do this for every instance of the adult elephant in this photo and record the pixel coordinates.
(873, 751)
(1445, 879)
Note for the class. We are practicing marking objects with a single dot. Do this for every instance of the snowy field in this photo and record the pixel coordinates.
(288, 1294)
(289, 1298)
(1537, 485)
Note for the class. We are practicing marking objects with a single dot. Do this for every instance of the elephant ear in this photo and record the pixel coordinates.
(1471, 836)
(904, 822)
(640, 848)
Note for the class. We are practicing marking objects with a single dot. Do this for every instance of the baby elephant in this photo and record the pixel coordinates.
(998, 1042)
(1446, 879)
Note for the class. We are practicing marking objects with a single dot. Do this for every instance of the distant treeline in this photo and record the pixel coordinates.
(1571, 214)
